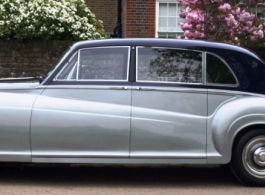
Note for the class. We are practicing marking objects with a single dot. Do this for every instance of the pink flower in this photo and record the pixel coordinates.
(230, 21)
(224, 8)
(184, 3)
(188, 34)
(221, 21)
(199, 26)
(195, 16)
(245, 16)
(179, 37)
(198, 35)
(185, 26)
(253, 38)
(182, 14)
(258, 34)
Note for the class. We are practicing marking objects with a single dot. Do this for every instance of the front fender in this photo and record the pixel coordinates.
(15, 111)
(234, 116)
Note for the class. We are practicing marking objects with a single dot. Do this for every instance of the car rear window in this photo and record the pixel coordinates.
(217, 72)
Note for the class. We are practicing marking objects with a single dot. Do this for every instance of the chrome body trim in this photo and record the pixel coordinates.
(110, 87)
(136, 161)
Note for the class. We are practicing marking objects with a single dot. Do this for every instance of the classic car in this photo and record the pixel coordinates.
(141, 101)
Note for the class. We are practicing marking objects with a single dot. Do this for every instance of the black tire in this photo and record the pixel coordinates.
(248, 159)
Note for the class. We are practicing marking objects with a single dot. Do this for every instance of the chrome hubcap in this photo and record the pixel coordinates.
(259, 156)
(254, 157)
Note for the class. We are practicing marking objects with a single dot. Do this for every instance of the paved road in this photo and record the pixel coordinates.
(63, 180)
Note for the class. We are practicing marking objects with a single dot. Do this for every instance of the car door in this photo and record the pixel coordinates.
(169, 104)
(85, 111)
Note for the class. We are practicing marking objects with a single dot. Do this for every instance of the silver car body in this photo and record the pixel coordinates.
(123, 123)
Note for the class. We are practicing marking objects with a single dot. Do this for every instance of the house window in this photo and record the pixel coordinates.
(167, 19)
(259, 11)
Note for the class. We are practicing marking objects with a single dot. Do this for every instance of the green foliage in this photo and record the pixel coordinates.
(48, 19)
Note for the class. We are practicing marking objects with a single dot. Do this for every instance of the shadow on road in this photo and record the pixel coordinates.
(118, 176)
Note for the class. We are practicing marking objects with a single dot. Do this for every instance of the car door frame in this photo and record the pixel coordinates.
(175, 87)
(50, 83)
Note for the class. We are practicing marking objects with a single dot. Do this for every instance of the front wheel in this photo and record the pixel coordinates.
(248, 159)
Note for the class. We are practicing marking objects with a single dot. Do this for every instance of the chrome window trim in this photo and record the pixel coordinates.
(232, 92)
(172, 89)
(94, 80)
(167, 82)
(219, 84)
(78, 65)
(128, 63)
(99, 87)
(123, 87)
(204, 73)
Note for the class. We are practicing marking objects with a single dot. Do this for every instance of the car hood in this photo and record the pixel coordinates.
(19, 83)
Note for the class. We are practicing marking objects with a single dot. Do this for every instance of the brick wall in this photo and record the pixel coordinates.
(29, 58)
(105, 10)
(138, 18)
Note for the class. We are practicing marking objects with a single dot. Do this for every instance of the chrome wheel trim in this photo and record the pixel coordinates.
(253, 157)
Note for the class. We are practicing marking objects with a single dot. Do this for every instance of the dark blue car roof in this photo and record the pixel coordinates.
(158, 42)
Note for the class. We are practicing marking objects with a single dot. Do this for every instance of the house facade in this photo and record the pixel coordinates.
(144, 18)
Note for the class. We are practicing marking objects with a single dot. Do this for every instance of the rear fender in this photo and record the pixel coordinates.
(232, 117)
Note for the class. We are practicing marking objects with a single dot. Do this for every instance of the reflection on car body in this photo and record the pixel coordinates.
(142, 101)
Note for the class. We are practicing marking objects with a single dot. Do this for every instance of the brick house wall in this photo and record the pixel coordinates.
(105, 10)
(138, 18)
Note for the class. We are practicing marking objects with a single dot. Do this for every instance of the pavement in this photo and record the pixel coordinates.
(120, 180)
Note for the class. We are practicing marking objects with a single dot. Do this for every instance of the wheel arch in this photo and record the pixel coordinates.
(225, 141)
(243, 131)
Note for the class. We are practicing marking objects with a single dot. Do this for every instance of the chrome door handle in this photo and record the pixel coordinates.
(120, 88)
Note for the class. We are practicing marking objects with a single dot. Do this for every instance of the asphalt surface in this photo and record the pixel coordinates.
(38, 180)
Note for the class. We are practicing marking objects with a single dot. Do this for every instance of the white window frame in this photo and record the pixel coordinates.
(256, 11)
(157, 16)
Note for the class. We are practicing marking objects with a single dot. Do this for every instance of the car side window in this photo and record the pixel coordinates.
(69, 70)
(98, 64)
(217, 72)
(168, 65)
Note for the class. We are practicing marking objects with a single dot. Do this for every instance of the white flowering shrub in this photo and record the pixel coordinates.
(48, 19)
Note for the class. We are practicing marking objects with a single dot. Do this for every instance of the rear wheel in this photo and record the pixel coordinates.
(248, 160)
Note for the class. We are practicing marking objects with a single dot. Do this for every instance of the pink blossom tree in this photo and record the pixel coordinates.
(221, 20)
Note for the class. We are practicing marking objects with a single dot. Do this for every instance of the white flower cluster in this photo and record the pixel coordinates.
(48, 19)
